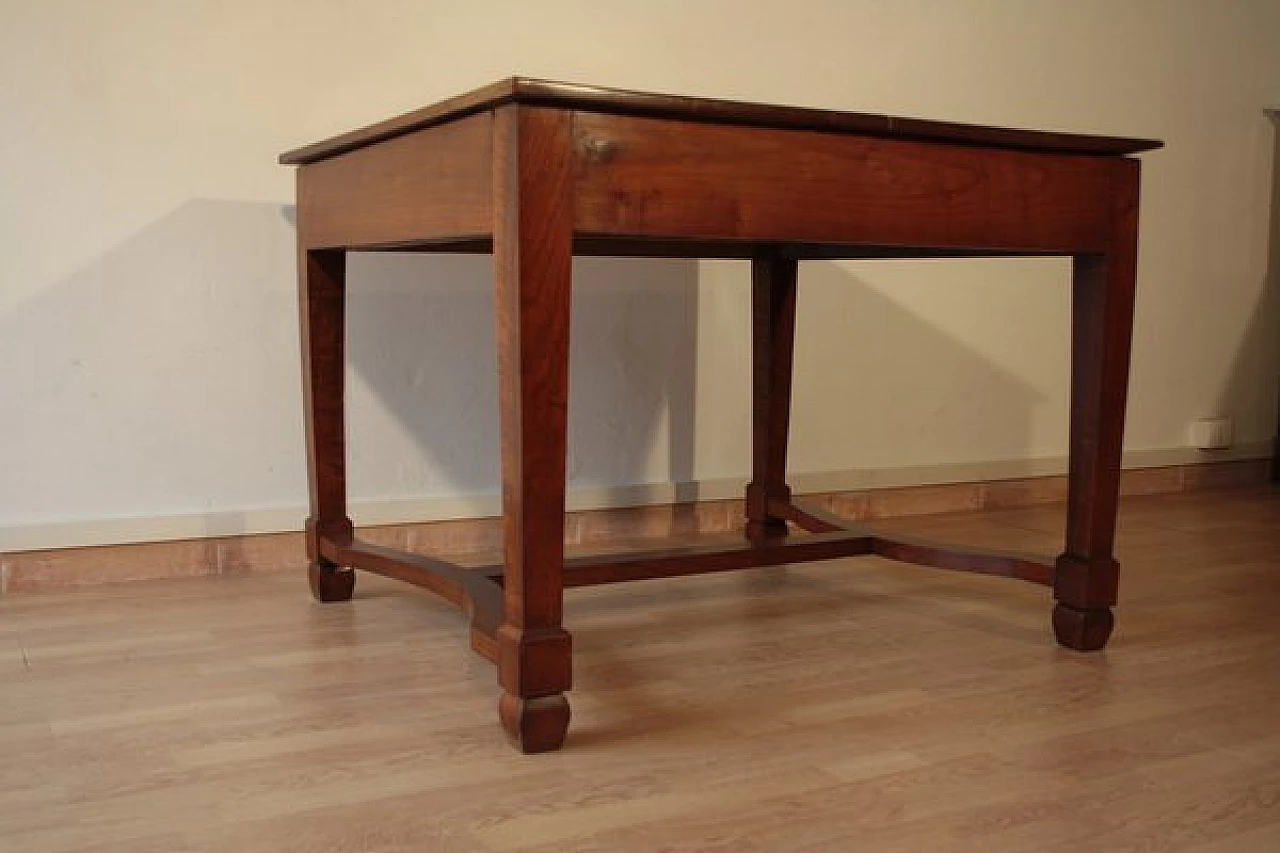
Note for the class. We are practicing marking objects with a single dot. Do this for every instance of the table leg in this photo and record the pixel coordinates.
(322, 297)
(533, 250)
(773, 322)
(1086, 574)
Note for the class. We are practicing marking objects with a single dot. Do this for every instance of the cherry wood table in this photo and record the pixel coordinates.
(536, 172)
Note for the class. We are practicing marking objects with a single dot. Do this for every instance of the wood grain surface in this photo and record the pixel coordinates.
(533, 258)
(657, 178)
(430, 184)
(536, 165)
(865, 706)
(773, 332)
(528, 90)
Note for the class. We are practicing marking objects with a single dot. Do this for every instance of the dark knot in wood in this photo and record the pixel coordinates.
(597, 150)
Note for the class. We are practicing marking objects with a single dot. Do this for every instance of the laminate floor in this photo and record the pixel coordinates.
(853, 705)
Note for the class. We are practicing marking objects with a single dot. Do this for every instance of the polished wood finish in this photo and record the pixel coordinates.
(716, 182)
(1027, 567)
(682, 560)
(533, 246)
(657, 247)
(773, 328)
(478, 595)
(322, 309)
(322, 304)
(574, 96)
(824, 708)
(330, 581)
(536, 171)
(1102, 295)
(375, 196)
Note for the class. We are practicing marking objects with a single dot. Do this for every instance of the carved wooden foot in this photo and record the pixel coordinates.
(330, 582)
(1082, 630)
(535, 725)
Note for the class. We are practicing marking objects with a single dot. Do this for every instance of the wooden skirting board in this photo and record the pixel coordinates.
(61, 568)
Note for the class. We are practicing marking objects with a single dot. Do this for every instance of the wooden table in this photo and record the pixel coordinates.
(536, 172)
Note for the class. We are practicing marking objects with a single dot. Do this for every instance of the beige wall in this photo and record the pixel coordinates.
(146, 288)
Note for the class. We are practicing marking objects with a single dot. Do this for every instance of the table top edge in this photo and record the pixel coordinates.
(533, 91)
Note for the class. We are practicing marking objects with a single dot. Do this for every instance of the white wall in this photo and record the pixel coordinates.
(149, 358)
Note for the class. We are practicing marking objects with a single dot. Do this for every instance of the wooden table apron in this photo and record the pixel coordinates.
(537, 183)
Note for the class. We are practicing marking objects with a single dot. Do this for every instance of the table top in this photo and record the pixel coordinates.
(526, 90)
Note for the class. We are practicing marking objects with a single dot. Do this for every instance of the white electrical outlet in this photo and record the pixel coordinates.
(1209, 434)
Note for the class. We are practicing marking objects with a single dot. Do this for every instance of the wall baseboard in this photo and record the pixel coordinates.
(248, 543)
(374, 512)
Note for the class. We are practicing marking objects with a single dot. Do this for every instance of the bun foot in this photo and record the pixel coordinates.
(535, 725)
(1082, 630)
(330, 582)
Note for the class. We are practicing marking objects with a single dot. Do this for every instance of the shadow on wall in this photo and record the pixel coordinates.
(872, 371)
(1255, 373)
(162, 379)
(158, 379)
(421, 339)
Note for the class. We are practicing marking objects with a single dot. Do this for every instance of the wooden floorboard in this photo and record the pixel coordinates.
(855, 704)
